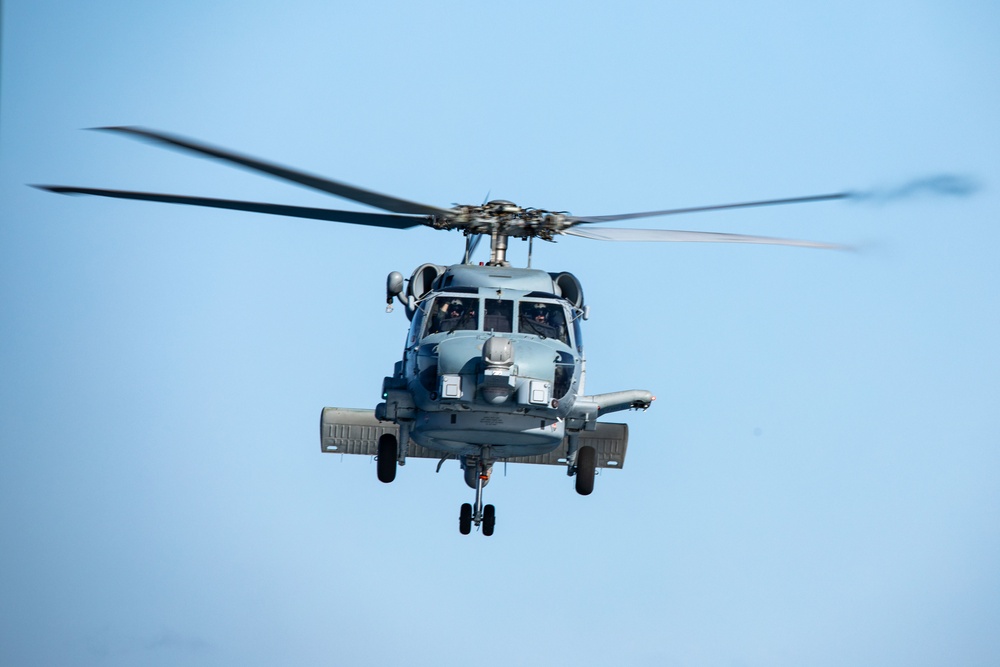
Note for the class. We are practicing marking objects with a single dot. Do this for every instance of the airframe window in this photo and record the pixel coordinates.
(418, 322)
(542, 319)
(577, 333)
(453, 313)
(499, 315)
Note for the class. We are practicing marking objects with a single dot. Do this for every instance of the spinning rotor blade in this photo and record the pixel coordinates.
(669, 235)
(353, 217)
(471, 243)
(699, 209)
(384, 202)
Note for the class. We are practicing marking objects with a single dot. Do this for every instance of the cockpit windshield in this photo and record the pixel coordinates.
(499, 316)
(542, 319)
(454, 313)
(461, 313)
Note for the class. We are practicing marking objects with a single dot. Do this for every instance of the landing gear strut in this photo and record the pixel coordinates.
(478, 514)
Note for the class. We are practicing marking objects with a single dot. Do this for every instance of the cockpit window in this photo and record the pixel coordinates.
(499, 316)
(542, 319)
(452, 313)
(577, 333)
(417, 325)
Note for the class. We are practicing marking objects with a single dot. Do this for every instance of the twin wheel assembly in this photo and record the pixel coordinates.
(477, 475)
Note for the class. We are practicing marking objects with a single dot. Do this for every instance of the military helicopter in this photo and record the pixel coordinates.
(493, 367)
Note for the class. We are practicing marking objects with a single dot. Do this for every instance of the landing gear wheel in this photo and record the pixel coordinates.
(465, 519)
(386, 462)
(586, 466)
(489, 519)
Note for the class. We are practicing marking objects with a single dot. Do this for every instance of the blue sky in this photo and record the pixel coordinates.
(816, 484)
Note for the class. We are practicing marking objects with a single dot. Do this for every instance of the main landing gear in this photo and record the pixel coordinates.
(386, 461)
(477, 471)
(586, 468)
(477, 474)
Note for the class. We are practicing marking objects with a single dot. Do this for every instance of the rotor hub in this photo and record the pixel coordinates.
(504, 218)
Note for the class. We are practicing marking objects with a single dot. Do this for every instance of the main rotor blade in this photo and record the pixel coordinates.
(669, 235)
(389, 220)
(717, 207)
(471, 243)
(384, 202)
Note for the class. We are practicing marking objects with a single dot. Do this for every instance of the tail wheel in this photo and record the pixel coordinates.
(386, 462)
(489, 519)
(465, 519)
(586, 466)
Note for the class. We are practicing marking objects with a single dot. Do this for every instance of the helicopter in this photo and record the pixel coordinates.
(493, 367)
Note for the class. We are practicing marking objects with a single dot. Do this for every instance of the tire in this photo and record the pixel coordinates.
(489, 519)
(465, 519)
(586, 466)
(386, 462)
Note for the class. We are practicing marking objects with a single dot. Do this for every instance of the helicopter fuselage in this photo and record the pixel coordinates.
(493, 363)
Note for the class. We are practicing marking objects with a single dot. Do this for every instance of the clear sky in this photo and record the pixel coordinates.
(817, 483)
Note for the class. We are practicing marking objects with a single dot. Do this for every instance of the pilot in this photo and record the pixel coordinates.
(538, 321)
(453, 316)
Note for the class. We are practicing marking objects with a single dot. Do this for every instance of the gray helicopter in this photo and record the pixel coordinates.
(493, 368)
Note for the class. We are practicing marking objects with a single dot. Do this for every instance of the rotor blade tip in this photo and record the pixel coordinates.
(935, 185)
(118, 128)
(59, 189)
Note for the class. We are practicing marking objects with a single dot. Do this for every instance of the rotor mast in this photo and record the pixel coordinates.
(498, 248)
